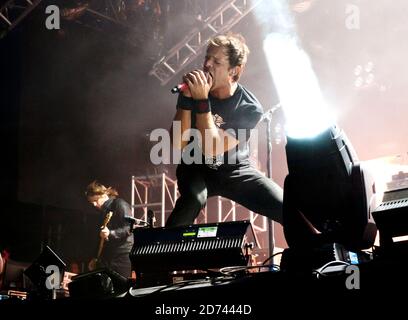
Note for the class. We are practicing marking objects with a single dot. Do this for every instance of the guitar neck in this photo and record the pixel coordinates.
(102, 240)
(100, 248)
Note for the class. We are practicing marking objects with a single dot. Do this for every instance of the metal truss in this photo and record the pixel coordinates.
(229, 213)
(14, 11)
(202, 217)
(112, 11)
(96, 14)
(184, 52)
(157, 191)
(154, 191)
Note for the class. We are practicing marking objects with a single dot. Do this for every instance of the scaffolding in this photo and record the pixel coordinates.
(12, 12)
(159, 193)
(154, 191)
(227, 211)
(228, 14)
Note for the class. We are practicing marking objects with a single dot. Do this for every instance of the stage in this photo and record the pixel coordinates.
(251, 296)
(86, 95)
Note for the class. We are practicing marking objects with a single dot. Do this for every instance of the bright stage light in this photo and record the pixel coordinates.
(298, 89)
(328, 194)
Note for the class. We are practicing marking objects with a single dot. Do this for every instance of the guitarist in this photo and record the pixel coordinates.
(116, 239)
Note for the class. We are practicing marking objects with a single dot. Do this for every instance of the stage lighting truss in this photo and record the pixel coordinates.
(99, 12)
(187, 50)
(13, 12)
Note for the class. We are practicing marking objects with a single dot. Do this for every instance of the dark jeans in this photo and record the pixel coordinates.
(120, 263)
(240, 183)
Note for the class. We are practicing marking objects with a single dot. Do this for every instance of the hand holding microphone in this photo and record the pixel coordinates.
(196, 84)
(179, 88)
(199, 84)
(182, 88)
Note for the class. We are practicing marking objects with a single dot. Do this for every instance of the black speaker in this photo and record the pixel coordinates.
(98, 283)
(199, 246)
(37, 271)
(391, 217)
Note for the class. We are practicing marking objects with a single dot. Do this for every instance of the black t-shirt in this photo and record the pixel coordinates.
(240, 111)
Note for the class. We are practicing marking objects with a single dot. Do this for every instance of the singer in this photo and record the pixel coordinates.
(213, 103)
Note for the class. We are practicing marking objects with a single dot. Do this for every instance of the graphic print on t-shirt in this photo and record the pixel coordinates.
(218, 120)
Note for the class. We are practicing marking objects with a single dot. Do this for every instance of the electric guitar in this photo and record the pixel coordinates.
(95, 262)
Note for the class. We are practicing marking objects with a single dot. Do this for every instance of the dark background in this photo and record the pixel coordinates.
(78, 104)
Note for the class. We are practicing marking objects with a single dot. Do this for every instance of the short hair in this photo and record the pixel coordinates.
(235, 48)
(97, 189)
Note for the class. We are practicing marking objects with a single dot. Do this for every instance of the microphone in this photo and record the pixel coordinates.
(133, 221)
(179, 88)
(183, 86)
(150, 218)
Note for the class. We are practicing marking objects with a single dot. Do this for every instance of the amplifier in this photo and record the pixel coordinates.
(192, 247)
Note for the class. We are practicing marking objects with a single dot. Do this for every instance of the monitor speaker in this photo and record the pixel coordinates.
(37, 271)
(97, 283)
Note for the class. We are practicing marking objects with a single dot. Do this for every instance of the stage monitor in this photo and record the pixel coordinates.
(192, 247)
(37, 272)
(98, 283)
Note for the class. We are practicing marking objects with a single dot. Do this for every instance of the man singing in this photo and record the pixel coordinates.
(223, 112)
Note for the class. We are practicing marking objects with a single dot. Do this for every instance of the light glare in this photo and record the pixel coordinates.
(306, 113)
